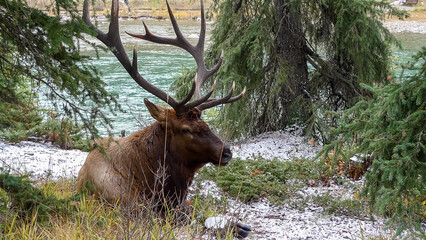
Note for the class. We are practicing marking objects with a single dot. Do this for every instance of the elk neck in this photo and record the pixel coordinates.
(159, 152)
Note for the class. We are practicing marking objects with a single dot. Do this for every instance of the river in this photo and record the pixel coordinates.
(161, 64)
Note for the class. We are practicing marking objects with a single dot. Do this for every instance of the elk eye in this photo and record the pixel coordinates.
(186, 131)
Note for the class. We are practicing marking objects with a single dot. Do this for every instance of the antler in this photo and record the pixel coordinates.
(113, 41)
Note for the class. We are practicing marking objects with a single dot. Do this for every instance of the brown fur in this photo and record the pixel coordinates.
(158, 161)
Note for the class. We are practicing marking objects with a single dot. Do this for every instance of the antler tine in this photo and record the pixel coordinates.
(189, 95)
(86, 14)
(205, 74)
(86, 18)
(227, 99)
(202, 38)
(178, 33)
(202, 99)
(113, 41)
(112, 38)
(217, 66)
(179, 41)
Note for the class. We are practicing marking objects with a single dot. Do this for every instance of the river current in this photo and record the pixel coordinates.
(161, 64)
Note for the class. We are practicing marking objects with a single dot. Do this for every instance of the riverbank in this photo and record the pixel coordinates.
(398, 26)
(416, 23)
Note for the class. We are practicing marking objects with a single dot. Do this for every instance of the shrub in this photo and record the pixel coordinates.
(391, 128)
(254, 178)
(28, 201)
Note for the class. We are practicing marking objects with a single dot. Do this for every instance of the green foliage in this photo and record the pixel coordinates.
(247, 41)
(17, 118)
(345, 45)
(254, 178)
(63, 132)
(29, 201)
(39, 53)
(18, 108)
(357, 24)
(350, 47)
(391, 127)
(340, 206)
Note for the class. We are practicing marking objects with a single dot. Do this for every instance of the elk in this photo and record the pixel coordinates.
(175, 146)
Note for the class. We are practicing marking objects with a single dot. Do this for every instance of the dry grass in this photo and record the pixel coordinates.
(414, 16)
(91, 218)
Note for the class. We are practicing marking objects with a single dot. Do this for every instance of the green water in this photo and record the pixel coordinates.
(160, 64)
(411, 44)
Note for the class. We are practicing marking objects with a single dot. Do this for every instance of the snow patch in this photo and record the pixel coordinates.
(41, 159)
(283, 145)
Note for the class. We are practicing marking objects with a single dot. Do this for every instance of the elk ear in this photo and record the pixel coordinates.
(157, 112)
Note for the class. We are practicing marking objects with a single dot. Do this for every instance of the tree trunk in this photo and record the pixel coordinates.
(290, 47)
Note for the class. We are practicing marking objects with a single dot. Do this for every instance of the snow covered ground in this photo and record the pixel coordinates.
(267, 221)
(283, 145)
(40, 159)
(271, 222)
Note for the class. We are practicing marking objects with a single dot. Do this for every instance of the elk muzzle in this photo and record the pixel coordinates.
(226, 156)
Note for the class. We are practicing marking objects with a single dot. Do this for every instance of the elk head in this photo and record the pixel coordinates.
(191, 137)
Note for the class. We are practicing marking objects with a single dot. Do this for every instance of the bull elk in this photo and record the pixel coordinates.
(176, 145)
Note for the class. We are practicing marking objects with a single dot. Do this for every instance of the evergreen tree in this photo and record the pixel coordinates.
(390, 128)
(298, 59)
(39, 55)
